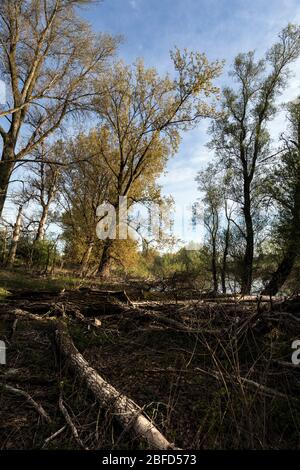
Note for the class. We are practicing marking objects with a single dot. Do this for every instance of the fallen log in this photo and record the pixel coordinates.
(240, 299)
(120, 295)
(24, 314)
(18, 313)
(84, 301)
(129, 414)
(126, 410)
(162, 320)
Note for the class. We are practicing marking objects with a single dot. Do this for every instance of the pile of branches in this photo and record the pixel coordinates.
(222, 330)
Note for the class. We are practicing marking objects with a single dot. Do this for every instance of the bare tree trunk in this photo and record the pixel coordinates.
(4, 250)
(53, 258)
(285, 267)
(49, 249)
(212, 225)
(214, 266)
(6, 168)
(85, 259)
(15, 238)
(224, 260)
(247, 272)
(126, 411)
(104, 265)
(281, 274)
(42, 224)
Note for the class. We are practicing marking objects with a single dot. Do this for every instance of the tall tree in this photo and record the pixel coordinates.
(15, 238)
(83, 185)
(225, 237)
(284, 187)
(240, 136)
(213, 200)
(43, 182)
(142, 115)
(47, 57)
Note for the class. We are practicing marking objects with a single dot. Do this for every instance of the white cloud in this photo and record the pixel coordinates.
(133, 4)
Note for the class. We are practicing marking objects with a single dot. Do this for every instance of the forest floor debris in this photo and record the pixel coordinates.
(201, 371)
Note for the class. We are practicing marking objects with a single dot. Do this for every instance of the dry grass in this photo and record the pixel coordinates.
(222, 385)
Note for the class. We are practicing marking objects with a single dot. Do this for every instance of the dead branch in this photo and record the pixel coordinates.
(20, 313)
(53, 436)
(70, 423)
(26, 395)
(13, 328)
(266, 390)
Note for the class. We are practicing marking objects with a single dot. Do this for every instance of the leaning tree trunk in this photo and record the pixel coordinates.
(282, 273)
(15, 238)
(126, 411)
(285, 267)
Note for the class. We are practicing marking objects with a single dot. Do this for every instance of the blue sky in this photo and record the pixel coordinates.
(221, 29)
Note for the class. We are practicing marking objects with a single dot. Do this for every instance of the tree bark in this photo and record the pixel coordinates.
(214, 267)
(224, 260)
(40, 235)
(104, 265)
(15, 238)
(247, 269)
(6, 168)
(4, 249)
(85, 259)
(127, 411)
(281, 274)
